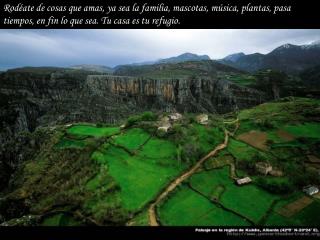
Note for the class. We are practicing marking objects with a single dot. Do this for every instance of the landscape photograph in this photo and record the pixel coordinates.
(162, 127)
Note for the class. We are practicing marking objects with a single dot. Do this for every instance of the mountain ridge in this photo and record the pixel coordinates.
(288, 57)
(93, 68)
(184, 57)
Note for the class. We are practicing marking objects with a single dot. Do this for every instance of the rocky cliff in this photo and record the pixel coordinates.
(183, 95)
(29, 100)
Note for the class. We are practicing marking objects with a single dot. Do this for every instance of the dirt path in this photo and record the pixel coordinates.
(233, 173)
(152, 209)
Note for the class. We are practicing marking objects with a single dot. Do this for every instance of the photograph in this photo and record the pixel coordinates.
(160, 127)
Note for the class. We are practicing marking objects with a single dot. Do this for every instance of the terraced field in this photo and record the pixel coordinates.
(242, 79)
(307, 216)
(140, 164)
(88, 130)
(188, 208)
(216, 189)
(98, 175)
(287, 136)
(139, 178)
(133, 138)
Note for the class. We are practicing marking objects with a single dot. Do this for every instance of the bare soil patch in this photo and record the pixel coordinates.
(254, 138)
(317, 195)
(292, 208)
(285, 135)
(313, 159)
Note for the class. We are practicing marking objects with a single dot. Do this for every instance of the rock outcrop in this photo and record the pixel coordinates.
(183, 95)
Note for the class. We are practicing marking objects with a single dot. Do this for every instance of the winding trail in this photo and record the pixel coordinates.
(152, 209)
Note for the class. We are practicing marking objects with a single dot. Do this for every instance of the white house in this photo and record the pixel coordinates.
(175, 116)
(202, 119)
(242, 181)
(310, 190)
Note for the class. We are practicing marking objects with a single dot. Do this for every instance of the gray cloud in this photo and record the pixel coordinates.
(114, 46)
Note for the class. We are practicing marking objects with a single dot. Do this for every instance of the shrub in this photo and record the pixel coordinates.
(161, 133)
(275, 185)
(265, 123)
(191, 152)
(192, 119)
(177, 128)
(132, 120)
(146, 116)
(303, 177)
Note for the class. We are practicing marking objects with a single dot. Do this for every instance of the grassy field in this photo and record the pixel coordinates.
(245, 152)
(241, 79)
(140, 179)
(142, 219)
(208, 137)
(141, 176)
(207, 181)
(160, 151)
(237, 198)
(290, 117)
(281, 110)
(133, 138)
(88, 130)
(187, 208)
(307, 130)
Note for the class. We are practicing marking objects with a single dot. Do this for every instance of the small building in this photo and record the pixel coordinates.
(242, 181)
(164, 128)
(202, 119)
(175, 116)
(310, 190)
(164, 124)
(263, 168)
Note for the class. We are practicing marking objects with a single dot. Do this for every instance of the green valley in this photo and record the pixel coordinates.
(111, 175)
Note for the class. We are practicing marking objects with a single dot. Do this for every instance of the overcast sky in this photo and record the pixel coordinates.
(113, 47)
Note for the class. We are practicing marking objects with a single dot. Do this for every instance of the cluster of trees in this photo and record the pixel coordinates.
(275, 185)
(146, 116)
(277, 84)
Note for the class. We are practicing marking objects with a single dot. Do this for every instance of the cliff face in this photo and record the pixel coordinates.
(42, 99)
(183, 95)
